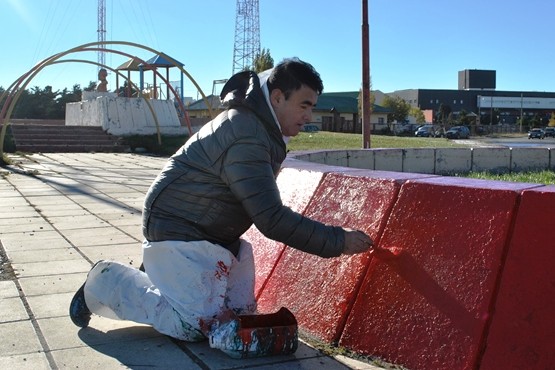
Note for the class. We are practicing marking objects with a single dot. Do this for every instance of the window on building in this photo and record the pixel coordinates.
(381, 120)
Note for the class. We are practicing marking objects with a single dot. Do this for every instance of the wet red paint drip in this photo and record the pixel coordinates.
(221, 271)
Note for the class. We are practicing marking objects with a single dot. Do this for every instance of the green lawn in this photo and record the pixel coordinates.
(333, 140)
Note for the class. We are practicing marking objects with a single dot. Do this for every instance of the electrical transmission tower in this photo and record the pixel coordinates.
(101, 32)
(247, 35)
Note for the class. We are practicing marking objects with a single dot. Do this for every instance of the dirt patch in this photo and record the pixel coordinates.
(6, 270)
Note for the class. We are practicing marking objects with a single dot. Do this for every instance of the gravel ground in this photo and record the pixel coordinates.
(6, 271)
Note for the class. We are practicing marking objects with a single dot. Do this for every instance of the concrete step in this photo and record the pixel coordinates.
(64, 139)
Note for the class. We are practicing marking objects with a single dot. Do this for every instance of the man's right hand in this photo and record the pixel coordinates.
(356, 242)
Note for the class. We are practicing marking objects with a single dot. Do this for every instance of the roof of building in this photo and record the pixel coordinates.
(342, 102)
(213, 100)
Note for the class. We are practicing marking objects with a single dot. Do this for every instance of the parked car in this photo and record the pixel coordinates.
(549, 132)
(403, 129)
(439, 132)
(458, 132)
(310, 128)
(424, 131)
(536, 133)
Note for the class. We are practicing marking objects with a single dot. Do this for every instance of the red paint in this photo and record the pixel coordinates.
(222, 270)
(321, 291)
(425, 306)
(522, 333)
(296, 189)
(428, 300)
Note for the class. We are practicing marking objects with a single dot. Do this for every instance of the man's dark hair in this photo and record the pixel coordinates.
(290, 74)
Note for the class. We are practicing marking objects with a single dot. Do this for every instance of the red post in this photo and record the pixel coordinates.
(366, 111)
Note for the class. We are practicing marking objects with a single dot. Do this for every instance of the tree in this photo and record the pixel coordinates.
(45, 103)
(398, 106)
(263, 61)
(418, 115)
(67, 97)
(443, 113)
(91, 87)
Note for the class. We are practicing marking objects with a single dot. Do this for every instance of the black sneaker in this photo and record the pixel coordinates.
(78, 310)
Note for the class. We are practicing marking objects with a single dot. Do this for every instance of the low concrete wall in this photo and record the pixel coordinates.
(124, 116)
(462, 276)
(439, 161)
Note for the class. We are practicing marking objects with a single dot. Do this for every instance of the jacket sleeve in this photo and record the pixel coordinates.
(247, 169)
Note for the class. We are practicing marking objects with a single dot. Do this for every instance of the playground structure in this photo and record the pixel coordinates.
(14, 91)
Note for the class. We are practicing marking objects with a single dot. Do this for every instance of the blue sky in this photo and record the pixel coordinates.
(413, 44)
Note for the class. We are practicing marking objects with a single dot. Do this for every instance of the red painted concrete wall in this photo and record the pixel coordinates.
(522, 334)
(325, 289)
(462, 278)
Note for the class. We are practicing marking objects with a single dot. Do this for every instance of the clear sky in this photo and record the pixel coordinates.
(413, 44)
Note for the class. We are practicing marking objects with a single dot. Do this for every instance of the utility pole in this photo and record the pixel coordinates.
(521, 116)
(366, 110)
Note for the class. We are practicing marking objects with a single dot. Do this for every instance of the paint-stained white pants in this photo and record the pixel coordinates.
(185, 283)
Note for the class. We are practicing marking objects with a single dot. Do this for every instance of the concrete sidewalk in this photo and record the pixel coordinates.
(59, 214)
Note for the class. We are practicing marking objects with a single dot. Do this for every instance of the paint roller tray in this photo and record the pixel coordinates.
(247, 336)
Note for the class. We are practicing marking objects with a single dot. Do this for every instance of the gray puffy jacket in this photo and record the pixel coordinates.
(223, 179)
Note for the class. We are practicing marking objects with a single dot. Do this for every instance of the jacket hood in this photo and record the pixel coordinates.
(246, 89)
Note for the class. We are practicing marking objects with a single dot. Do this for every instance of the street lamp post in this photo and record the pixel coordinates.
(521, 116)
(366, 111)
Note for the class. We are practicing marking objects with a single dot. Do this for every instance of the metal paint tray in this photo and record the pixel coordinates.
(246, 336)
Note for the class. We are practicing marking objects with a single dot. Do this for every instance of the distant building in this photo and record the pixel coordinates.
(477, 96)
(337, 111)
(477, 79)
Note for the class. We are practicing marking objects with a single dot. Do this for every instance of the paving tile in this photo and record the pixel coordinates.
(19, 212)
(26, 224)
(76, 222)
(157, 352)
(97, 236)
(18, 337)
(25, 240)
(37, 255)
(12, 309)
(42, 241)
(51, 267)
(50, 305)
(35, 361)
(8, 289)
(52, 284)
(129, 255)
(304, 358)
(60, 333)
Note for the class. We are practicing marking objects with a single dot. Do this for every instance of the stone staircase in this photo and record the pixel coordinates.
(53, 138)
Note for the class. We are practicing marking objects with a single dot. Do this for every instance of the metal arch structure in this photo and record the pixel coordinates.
(14, 91)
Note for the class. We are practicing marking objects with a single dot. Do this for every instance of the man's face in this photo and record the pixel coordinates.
(294, 112)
